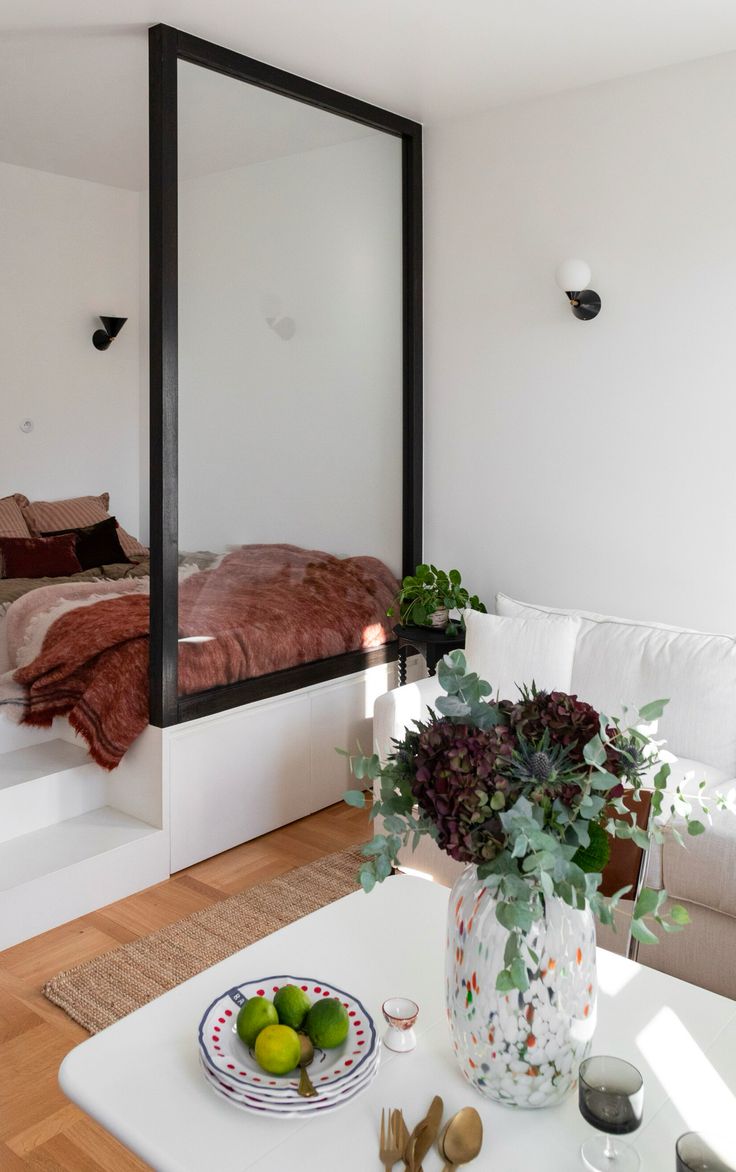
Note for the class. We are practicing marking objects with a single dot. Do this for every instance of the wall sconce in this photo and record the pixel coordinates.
(101, 339)
(573, 277)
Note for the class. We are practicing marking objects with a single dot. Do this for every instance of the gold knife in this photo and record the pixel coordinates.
(424, 1135)
(409, 1149)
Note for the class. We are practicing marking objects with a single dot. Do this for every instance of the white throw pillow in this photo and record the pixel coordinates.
(511, 651)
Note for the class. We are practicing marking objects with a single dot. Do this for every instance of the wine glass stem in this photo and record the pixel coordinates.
(610, 1152)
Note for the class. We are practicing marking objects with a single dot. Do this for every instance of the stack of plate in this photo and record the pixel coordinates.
(338, 1075)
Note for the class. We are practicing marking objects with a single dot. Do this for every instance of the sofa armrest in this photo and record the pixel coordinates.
(395, 711)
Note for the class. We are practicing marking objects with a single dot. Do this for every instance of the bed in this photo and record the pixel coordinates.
(78, 646)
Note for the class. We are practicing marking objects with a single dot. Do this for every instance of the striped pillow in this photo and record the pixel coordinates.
(77, 513)
(12, 521)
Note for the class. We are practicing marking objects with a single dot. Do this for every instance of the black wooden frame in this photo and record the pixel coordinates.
(168, 46)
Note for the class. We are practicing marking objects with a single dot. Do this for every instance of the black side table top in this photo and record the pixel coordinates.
(431, 642)
(427, 635)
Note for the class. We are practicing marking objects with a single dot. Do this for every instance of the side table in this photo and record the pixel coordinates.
(429, 642)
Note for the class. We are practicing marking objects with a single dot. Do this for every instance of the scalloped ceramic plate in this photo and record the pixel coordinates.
(286, 1101)
(228, 1057)
(285, 1110)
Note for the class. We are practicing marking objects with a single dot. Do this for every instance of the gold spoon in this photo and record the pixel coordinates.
(462, 1139)
(306, 1054)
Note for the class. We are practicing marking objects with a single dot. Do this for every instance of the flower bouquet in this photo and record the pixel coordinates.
(530, 794)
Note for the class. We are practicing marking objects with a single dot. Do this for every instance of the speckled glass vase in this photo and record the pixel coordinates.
(522, 1049)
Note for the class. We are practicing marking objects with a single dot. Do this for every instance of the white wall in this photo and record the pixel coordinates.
(69, 250)
(588, 464)
(299, 440)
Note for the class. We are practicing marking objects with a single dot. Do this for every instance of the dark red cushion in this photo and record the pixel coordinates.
(39, 557)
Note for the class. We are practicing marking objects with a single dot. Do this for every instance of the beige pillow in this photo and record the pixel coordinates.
(12, 521)
(76, 513)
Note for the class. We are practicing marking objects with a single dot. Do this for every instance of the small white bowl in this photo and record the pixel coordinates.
(400, 1014)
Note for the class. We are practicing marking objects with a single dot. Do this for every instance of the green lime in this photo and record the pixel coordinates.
(255, 1015)
(292, 1006)
(327, 1023)
(277, 1049)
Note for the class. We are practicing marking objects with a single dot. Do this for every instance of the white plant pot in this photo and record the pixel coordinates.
(522, 1049)
(440, 618)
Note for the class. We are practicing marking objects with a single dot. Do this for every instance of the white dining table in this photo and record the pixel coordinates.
(141, 1080)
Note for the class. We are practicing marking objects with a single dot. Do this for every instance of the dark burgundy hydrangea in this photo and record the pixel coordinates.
(462, 776)
(569, 722)
(456, 775)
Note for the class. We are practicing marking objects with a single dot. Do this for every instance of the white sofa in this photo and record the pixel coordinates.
(618, 661)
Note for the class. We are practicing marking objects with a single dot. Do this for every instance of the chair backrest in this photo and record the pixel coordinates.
(620, 661)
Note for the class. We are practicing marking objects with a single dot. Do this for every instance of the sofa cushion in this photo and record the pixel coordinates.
(514, 608)
(621, 661)
(511, 651)
(688, 774)
(704, 870)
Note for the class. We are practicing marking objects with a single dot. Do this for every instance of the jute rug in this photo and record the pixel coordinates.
(104, 989)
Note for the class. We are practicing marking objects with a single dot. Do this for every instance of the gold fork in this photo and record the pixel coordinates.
(390, 1148)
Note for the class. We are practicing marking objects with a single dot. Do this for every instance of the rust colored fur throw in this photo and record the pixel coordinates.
(262, 608)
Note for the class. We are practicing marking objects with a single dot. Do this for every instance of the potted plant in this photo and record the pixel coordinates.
(528, 793)
(427, 596)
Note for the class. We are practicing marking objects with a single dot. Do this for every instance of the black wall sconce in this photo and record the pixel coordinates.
(573, 277)
(101, 339)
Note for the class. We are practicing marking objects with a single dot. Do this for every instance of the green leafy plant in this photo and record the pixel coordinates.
(429, 589)
(532, 792)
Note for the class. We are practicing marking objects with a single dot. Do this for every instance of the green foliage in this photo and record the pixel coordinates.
(429, 589)
(540, 808)
(593, 857)
(653, 710)
(354, 797)
(641, 932)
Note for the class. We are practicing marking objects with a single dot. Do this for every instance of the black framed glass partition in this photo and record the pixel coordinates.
(285, 235)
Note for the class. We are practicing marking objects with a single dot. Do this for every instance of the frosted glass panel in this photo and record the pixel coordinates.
(290, 371)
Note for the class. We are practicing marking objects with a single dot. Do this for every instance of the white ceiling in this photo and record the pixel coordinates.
(225, 124)
(73, 86)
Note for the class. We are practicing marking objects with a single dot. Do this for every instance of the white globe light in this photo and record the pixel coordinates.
(573, 275)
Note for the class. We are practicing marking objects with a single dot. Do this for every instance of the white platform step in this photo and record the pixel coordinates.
(17, 736)
(45, 783)
(59, 846)
(33, 761)
(72, 867)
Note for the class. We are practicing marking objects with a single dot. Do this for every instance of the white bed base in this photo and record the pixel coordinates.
(74, 838)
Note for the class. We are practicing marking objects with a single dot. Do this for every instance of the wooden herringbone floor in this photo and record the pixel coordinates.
(39, 1128)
